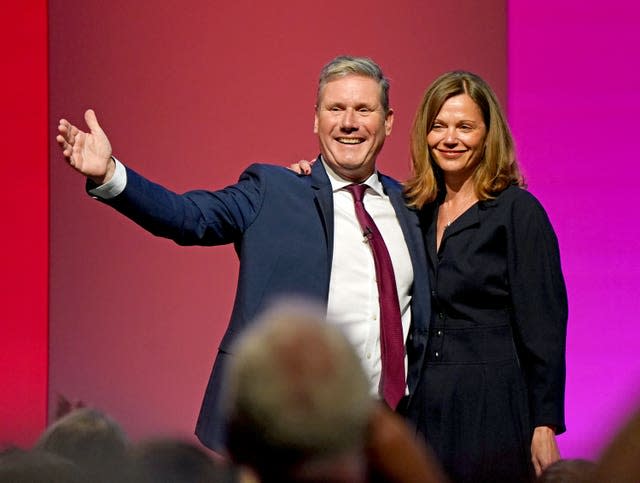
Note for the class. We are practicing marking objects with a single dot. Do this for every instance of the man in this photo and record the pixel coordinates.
(300, 235)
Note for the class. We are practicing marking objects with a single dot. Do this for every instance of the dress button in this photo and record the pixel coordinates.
(369, 355)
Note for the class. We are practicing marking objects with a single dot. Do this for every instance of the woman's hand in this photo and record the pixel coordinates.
(302, 167)
(544, 449)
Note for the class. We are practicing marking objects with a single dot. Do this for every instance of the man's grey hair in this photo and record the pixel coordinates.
(296, 391)
(344, 65)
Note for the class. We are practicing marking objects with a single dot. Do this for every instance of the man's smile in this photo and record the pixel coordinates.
(350, 140)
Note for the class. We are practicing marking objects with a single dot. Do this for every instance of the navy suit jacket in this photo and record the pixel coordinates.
(281, 225)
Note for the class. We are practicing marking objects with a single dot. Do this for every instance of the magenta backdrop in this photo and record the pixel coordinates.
(190, 93)
(574, 100)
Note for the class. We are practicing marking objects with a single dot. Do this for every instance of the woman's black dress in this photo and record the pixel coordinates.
(495, 362)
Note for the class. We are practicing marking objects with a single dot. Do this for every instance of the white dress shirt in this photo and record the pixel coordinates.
(353, 292)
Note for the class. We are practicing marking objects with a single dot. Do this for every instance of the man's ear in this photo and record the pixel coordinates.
(315, 121)
(388, 122)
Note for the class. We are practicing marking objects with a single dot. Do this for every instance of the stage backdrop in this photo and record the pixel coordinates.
(574, 103)
(24, 245)
(190, 93)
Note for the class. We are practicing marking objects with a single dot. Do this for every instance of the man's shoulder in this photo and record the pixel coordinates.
(390, 183)
(271, 173)
(264, 169)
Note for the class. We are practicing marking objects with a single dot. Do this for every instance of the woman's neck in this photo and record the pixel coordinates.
(459, 190)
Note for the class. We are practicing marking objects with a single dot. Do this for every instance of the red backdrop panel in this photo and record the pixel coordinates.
(24, 241)
(191, 93)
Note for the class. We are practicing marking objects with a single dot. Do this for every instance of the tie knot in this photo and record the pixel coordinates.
(357, 191)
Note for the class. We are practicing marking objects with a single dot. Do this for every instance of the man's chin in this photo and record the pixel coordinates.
(355, 172)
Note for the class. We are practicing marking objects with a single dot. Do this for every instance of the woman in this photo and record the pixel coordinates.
(491, 395)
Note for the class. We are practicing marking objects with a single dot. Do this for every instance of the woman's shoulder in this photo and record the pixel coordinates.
(519, 198)
(521, 210)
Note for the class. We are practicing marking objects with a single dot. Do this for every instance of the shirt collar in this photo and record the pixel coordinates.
(338, 183)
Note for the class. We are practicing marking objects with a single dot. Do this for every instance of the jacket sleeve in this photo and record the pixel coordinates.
(197, 217)
(539, 303)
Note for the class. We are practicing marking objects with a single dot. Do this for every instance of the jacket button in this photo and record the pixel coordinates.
(437, 354)
(441, 315)
(439, 333)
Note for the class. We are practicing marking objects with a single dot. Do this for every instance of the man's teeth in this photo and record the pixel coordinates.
(349, 140)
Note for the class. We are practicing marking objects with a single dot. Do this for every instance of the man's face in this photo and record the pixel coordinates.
(351, 125)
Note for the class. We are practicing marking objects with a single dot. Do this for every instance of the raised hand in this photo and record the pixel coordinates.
(89, 153)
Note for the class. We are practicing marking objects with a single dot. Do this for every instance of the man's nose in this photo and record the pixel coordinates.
(349, 120)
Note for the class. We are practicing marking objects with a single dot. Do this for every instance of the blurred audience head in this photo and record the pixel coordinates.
(175, 461)
(17, 466)
(620, 461)
(568, 471)
(298, 400)
(395, 454)
(90, 439)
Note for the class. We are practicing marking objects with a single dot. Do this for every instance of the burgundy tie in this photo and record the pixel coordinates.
(391, 340)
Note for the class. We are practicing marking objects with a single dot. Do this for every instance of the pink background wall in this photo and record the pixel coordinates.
(574, 102)
(190, 94)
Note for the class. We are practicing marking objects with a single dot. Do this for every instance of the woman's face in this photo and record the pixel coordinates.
(456, 140)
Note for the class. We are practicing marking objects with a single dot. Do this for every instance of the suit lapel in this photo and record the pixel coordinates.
(421, 298)
(324, 203)
(410, 225)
